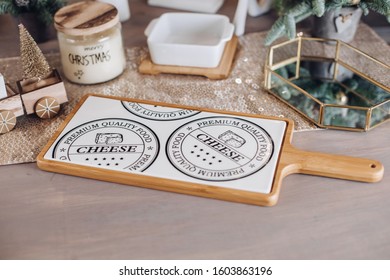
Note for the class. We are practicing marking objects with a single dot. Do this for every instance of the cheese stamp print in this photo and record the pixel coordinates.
(219, 148)
(108, 138)
(118, 144)
(158, 113)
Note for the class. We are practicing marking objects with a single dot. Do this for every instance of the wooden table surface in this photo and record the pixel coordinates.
(52, 216)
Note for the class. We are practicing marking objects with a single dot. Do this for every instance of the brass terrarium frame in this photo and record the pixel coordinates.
(332, 64)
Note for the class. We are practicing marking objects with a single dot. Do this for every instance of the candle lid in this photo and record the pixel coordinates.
(86, 18)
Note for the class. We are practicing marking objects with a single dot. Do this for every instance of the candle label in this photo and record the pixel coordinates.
(88, 59)
(93, 63)
(219, 148)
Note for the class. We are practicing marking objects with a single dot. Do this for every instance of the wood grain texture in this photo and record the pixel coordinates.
(47, 107)
(52, 216)
(12, 102)
(218, 73)
(86, 18)
(7, 121)
(32, 92)
(33, 84)
(31, 98)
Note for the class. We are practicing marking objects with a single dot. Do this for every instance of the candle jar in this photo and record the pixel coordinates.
(90, 40)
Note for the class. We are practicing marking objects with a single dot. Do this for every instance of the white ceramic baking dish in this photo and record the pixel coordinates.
(188, 39)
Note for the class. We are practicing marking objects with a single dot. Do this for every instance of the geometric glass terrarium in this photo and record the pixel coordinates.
(330, 82)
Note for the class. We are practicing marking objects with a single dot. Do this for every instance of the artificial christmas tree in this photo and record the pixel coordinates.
(293, 11)
(34, 64)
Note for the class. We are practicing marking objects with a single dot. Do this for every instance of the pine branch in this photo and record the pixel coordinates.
(289, 23)
(364, 7)
(45, 17)
(8, 7)
(293, 11)
(299, 9)
(319, 7)
(45, 9)
(283, 6)
(303, 16)
(381, 7)
(286, 25)
(277, 30)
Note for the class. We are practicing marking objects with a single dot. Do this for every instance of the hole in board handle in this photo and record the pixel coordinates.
(373, 165)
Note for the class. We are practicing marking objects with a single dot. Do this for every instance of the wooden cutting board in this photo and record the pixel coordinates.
(224, 155)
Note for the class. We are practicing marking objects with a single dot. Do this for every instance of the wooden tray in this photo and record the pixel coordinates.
(219, 73)
(223, 155)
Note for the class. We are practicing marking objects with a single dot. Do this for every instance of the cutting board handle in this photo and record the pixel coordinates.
(335, 166)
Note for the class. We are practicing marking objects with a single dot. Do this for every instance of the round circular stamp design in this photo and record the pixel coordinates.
(118, 144)
(158, 113)
(219, 148)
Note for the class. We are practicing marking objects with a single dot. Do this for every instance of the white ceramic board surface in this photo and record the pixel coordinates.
(215, 149)
(202, 6)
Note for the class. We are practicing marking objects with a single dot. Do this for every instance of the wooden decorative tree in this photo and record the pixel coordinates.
(34, 64)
